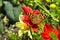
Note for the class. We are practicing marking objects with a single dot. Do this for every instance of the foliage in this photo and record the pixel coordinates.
(22, 19)
(53, 36)
(11, 11)
(0, 2)
(12, 36)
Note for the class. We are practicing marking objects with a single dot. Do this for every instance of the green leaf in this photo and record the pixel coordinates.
(53, 36)
(17, 11)
(0, 2)
(9, 10)
(1, 26)
(12, 12)
(39, 1)
(37, 36)
(58, 2)
(41, 29)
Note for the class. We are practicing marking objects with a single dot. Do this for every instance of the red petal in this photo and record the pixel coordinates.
(46, 36)
(27, 10)
(59, 36)
(46, 39)
(30, 10)
(47, 28)
(36, 11)
(26, 20)
(56, 32)
(35, 27)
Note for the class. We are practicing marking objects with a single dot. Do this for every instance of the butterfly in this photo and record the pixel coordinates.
(37, 19)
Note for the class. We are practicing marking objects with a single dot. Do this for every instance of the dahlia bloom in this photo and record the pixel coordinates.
(26, 19)
(47, 30)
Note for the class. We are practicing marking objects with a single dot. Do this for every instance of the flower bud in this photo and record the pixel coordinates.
(52, 6)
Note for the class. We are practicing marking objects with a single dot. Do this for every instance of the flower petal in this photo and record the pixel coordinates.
(59, 36)
(56, 32)
(27, 10)
(47, 28)
(36, 12)
(46, 36)
(26, 20)
(35, 27)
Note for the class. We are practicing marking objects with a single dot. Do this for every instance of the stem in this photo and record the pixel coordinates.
(45, 9)
(31, 31)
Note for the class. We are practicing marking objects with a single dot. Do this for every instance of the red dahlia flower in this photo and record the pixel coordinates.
(32, 17)
(46, 34)
(27, 20)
